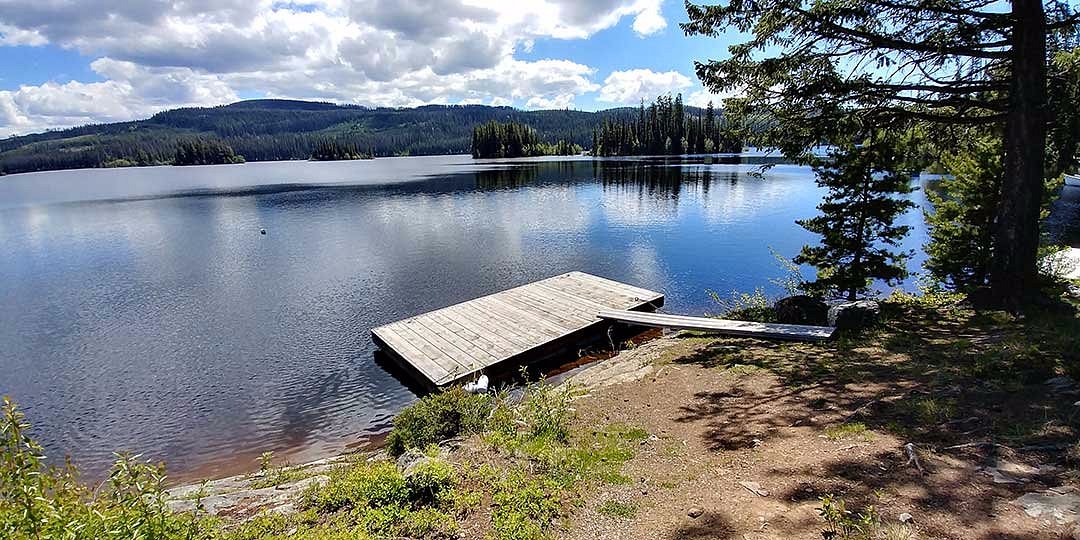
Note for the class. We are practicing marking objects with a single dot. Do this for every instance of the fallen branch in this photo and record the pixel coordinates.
(913, 457)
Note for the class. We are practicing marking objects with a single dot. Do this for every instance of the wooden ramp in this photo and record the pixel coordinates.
(522, 324)
(792, 332)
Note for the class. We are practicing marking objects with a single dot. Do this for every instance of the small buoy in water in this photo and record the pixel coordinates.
(262, 231)
(479, 386)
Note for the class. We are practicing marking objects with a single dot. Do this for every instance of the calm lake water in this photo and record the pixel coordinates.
(141, 310)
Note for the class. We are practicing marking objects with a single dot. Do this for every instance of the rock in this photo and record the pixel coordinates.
(1061, 385)
(1052, 506)
(801, 309)
(755, 488)
(1076, 533)
(854, 315)
(1001, 477)
(905, 518)
(409, 459)
(695, 512)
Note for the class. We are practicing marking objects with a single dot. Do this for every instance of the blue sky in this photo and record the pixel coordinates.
(80, 61)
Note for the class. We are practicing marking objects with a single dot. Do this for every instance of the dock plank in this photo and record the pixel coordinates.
(521, 323)
(793, 332)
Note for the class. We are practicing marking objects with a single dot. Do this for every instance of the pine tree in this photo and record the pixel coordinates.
(857, 221)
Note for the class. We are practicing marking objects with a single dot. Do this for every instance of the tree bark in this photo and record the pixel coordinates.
(1013, 267)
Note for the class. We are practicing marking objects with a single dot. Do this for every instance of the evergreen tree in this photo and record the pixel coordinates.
(857, 221)
(962, 220)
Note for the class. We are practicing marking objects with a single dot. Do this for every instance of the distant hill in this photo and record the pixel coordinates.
(277, 129)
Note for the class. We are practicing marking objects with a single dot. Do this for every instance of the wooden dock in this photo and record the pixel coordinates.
(523, 324)
(788, 332)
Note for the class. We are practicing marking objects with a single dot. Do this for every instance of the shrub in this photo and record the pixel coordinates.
(546, 411)
(524, 507)
(430, 479)
(362, 485)
(437, 417)
(40, 501)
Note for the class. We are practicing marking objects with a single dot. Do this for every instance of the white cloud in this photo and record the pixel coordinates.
(157, 54)
(633, 85)
(12, 36)
(701, 98)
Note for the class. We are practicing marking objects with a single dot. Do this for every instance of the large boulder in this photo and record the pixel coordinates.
(854, 315)
(801, 309)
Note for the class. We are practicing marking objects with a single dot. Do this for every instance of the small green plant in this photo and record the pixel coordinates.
(617, 509)
(930, 410)
(743, 306)
(841, 524)
(848, 431)
(791, 278)
(546, 410)
(266, 462)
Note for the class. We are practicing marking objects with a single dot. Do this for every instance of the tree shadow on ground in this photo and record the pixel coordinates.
(952, 382)
(711, 525)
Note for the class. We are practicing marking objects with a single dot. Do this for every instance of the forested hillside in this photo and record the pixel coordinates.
(262, 130)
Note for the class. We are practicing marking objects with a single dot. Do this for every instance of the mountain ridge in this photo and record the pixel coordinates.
(283, 129)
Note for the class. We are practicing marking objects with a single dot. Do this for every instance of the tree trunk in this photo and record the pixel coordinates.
(1013, 267)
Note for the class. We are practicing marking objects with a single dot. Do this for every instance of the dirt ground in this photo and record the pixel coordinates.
(717, 418)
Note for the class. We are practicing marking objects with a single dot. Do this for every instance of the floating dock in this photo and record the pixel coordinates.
(524, 324)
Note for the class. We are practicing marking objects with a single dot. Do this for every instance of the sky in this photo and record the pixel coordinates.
(72, 62)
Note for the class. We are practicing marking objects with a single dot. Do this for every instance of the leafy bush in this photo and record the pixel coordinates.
(546, 411)
(360, 485)
(375, 498)
(41, 501)
(437, 417)
(430, 479)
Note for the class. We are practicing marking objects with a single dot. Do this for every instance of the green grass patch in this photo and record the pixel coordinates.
(618, 509)
(851, 430)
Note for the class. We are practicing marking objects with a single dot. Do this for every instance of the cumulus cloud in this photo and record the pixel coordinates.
(131, 92)
(631, 86)
(156, 54)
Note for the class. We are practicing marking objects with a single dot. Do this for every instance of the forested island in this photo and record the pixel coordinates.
(665, 127)
(205, 152)
(515, 139)
(335, 150)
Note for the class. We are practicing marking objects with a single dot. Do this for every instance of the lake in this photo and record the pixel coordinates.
(142, 309)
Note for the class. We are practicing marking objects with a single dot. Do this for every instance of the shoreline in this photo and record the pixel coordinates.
(240, 495)
(246, 462)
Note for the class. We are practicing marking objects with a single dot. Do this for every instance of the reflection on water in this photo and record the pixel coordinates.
(166, 324)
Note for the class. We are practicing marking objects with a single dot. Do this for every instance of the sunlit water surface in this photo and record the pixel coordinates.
(142, 310)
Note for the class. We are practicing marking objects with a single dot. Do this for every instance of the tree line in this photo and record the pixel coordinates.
(665, 127)
(496, 139)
